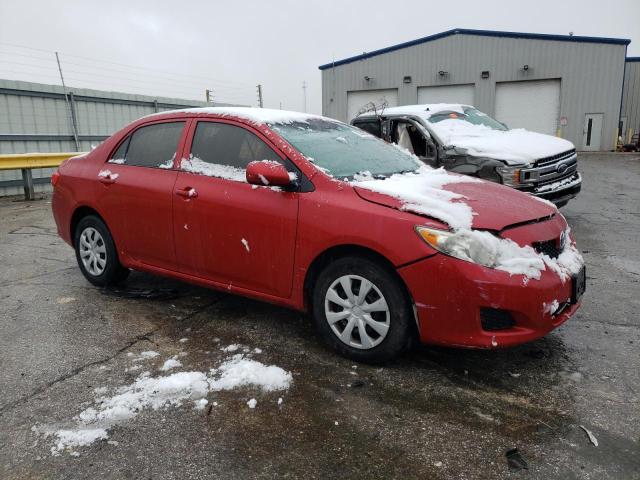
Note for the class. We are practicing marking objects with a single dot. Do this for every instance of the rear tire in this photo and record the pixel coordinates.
(96, 253)
(373, 322)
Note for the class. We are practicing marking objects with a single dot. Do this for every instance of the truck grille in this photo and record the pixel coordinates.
(550, 170)
(544, 162)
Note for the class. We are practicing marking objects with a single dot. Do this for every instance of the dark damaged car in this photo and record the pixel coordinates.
(464, 140)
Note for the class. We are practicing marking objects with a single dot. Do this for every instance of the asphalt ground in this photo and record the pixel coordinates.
(437, 413)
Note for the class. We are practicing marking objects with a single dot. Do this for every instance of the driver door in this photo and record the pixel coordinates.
(226, 230)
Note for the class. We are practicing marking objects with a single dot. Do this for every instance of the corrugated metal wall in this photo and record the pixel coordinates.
(35, 118)
(631, 99)
(591, 75)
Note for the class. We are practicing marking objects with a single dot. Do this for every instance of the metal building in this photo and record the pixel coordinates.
(570, 86)
(37, 118)
(630, 113)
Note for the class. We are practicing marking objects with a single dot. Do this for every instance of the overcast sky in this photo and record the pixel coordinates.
(180, 48)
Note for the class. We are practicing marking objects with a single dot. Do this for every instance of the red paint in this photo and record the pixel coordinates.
(260, 242)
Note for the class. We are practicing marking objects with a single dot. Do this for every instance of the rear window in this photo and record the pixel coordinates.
(153, 146)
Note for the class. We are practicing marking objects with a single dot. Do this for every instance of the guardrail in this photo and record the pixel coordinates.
(28, 161)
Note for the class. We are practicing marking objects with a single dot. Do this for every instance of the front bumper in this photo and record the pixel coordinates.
(449, 294)
(562, 192)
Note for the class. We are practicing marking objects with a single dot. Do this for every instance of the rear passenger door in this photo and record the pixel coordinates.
(140, 189)
(226, 230)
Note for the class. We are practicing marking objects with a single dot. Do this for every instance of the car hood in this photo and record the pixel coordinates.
(490, 206)
(515, 147)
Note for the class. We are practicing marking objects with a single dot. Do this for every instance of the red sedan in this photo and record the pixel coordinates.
(316, 215)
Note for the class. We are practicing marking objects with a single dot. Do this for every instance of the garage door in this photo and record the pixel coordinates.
(357, 101)
(446, 94)
(534, 105)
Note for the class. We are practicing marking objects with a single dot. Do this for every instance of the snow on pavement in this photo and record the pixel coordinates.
(161, 393)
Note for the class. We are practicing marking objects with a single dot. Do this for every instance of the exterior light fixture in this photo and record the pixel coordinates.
(367, 78)
(484, 74)
(525, 68)
(406, 79)
(442, 73)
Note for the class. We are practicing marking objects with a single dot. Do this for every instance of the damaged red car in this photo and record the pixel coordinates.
(316, 215)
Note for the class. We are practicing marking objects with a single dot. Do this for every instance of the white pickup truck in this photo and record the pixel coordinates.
(462, 139)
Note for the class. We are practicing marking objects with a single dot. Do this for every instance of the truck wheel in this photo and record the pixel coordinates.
(361, 310)
(96, 253)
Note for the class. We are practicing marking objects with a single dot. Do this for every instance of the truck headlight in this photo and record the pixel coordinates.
(510, 175)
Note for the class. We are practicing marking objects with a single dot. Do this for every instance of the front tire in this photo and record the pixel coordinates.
(361, 310)
(96, 253)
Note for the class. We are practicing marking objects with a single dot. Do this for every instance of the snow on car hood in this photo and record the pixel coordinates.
(518, 146)
(470, 207)
(460, 201)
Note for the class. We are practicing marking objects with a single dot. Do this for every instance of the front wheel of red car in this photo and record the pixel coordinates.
(361, 310)
(96, 253)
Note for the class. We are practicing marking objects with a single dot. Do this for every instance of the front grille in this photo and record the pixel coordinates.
(495, 319)
(543, 162)
(549, 171)
(549, 247)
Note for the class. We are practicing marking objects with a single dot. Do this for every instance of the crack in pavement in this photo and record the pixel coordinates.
(138, 338)
(22, 280)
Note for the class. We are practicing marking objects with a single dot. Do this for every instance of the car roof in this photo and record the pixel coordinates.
(254, 115)
(424, 111)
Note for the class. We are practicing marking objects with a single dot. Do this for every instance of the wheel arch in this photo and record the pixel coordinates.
(323, 259)
(78, 214)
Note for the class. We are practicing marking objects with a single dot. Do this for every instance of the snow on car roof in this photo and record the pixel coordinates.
(424, 111)
(258, 115)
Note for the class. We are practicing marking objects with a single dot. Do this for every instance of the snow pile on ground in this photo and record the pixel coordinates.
(421, 192)
(162, 392)
(197, 165)
(241, 372)
(171, 363)
(146, 356)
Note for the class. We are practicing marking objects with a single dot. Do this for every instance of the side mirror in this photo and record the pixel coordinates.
(267, 173)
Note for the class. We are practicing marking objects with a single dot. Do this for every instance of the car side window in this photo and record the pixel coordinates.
(152, 146)
(120, 153)
(373, 127)
(224, 151)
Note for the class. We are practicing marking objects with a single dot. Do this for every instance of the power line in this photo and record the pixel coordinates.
(165, 72)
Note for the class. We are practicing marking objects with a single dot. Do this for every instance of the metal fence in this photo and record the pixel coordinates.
(38, 118)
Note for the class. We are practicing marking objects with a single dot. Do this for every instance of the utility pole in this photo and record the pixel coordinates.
(260, 96)
(209, 95)
(70, 105)
(304, 95)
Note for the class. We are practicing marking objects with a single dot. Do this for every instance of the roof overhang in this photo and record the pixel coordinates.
(483, 33)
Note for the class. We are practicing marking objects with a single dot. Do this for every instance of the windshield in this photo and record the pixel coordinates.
(344, 151)
(470, 115)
